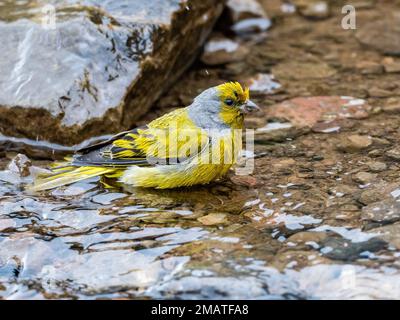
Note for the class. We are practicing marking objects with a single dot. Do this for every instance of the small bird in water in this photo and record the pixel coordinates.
(188, 146)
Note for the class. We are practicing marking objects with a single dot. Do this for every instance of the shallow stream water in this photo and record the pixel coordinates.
(86, 241)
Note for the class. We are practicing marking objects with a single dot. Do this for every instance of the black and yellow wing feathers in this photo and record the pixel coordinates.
(134, 147)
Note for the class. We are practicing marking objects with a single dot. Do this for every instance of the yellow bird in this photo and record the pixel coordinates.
(188, 146)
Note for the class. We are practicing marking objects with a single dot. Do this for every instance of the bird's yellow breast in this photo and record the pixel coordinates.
(210, 164)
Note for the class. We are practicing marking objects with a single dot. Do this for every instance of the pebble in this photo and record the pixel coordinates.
(306, 112)
(391, 65)
(245, 181)
(303, 70)
(364, 177)
(380, 142)
(369, 196)
(346, 250)
(244, 9)
(354, 143)
(342, 189)
(392, 105)
(369, 67)
(381, 34)
(306, 236)
(377, 92)
(376, 166)
(20, 165)
(389, 233)
(314, 9)
(213, 219)
(387, 211)
(247, 16)
(394, 153)
(375, 153)
(263, 83)
(218, 51)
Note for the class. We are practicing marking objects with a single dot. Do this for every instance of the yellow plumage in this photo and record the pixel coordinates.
(188, 146)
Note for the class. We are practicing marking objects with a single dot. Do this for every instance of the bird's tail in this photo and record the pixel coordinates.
(66, 174)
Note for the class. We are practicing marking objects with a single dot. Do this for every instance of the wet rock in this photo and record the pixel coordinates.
(377, 191)
(327, 127)
(375, 153)
(101, 61)
(377, 92)
(382, 35)
(354, 143)
(308, 111)
(393, 153)
(342, 190)
(277, 132)
(20, 165)
(392, 105)
(377, 166)
(363, 4)
(369, 67)
(219, 51)
(364, 177)
(296, 70)
(308, 236)
(389, 233)
(370, 196)
(287, 8)
(263, 84)
(313, 9)
(20, 170)
(391, 65)
(248, 16)
(385, 211)
(346, 250)
(297, 259)
(380, 142)
(284, 164)
(244, 9)
(213, 219)
(245, 181)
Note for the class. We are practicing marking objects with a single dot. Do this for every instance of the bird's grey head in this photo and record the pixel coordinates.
(206, 108)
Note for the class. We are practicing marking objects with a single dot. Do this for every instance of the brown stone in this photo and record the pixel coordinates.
(220, 50)
(213, 219)
(394, 153)
(245, 181)
(381, 34)
(376, 166)
(307, 112)
(354, 143)
(391, 65)
(364, 177)
(389, 234)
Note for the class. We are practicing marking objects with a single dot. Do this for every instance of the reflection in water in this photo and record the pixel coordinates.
(88, 242)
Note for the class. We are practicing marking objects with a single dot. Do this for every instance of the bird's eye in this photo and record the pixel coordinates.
(229, 102)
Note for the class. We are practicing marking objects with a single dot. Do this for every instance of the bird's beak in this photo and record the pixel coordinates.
(249, 106)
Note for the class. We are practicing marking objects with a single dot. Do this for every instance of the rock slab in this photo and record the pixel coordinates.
(74, 69)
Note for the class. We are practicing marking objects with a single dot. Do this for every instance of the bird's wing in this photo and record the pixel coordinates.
(169, 139)
(104, 143)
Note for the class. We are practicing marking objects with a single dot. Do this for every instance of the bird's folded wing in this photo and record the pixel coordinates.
(144, 147)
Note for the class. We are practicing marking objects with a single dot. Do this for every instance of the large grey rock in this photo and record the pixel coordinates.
(99, 69)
